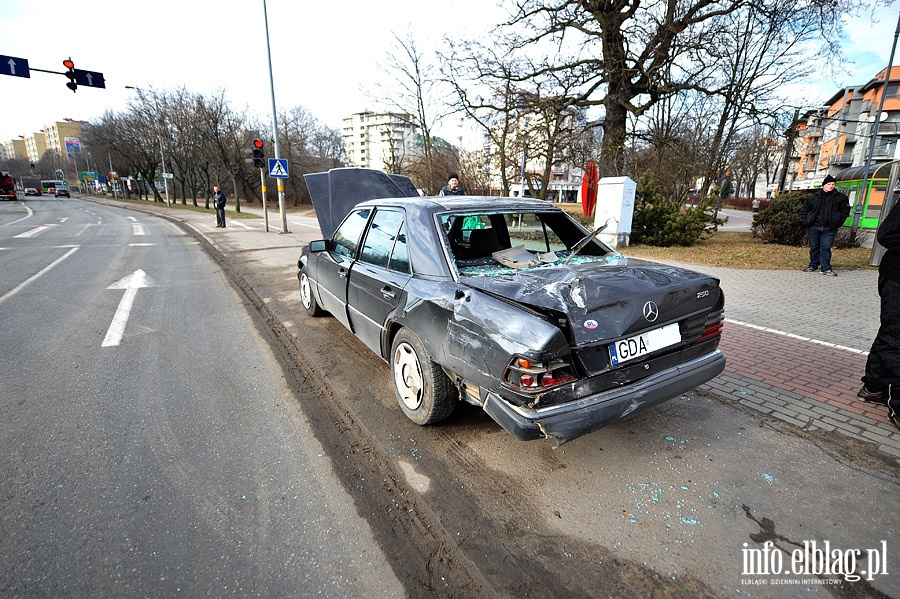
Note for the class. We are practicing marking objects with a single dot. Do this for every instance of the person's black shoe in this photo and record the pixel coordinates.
(895, 418)
(870, 396)
(810, 269)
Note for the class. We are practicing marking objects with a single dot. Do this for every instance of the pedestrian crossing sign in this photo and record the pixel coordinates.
(278, 168)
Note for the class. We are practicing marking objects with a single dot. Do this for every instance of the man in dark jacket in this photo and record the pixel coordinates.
(823, 213)
(881, 382)
(452, 188)
(219, 203)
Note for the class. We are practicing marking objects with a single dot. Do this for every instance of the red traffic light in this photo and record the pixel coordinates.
(258, 143)
(68, 63)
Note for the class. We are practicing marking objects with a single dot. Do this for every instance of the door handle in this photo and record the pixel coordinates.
(388, 293)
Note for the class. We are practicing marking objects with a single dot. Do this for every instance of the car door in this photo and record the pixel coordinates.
(333, 268)
(378, 278)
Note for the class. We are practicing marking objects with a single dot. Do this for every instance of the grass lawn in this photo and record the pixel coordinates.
(741, 250)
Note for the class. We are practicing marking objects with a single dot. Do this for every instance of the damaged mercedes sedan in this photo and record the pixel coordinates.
(508, 304)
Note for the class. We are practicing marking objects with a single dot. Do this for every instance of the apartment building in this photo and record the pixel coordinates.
(13, 149)
(380, 140)
(838, 135)
(64, 137)
(854, 137)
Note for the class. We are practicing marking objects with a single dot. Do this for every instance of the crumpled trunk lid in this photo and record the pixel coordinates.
(604, 302)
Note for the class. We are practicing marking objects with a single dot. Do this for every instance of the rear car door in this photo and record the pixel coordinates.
(379, 277)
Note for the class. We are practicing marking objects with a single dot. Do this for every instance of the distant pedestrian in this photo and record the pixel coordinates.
(881, 382)
(453, 188)
(823, 213)
(755, 205)
(219, 203)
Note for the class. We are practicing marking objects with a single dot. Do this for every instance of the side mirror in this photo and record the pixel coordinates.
(318, 246)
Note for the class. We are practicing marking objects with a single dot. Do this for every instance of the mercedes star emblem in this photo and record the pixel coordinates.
(651, 311)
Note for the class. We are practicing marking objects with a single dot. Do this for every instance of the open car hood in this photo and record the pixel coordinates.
(607, 302)
(336, 192)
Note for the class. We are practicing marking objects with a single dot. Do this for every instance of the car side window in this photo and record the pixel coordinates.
(385, 243)
(400, 255)
(346, 238)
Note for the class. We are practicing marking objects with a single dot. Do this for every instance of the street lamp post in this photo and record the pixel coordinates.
(284, 227)
(857, 212)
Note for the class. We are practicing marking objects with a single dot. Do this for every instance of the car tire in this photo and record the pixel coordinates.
(425, 393)
(307, 298)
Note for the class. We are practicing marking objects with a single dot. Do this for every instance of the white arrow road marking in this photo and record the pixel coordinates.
(136, 280)
(138, 229)
(33, 232)
(40, 273)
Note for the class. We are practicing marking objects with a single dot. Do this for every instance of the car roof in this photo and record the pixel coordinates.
(464, 203)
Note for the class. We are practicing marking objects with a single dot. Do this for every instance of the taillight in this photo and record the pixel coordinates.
(530, 376)
(712, 329)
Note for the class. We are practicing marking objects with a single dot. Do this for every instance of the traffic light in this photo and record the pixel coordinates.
(259, 160)
(70, 73)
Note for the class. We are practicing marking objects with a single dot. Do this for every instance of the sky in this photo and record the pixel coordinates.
(324, 57)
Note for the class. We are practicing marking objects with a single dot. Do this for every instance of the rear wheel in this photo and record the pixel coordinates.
(310, 304)
(425, 393)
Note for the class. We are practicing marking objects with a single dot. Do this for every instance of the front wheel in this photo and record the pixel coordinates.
(425, 393)
(310, 304)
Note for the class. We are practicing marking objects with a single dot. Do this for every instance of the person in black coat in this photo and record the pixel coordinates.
(219, 204)
(452, 188)
(823, 213)
(881, 382)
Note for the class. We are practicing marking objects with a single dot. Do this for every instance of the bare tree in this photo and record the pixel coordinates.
(631, 54)
(414, 93)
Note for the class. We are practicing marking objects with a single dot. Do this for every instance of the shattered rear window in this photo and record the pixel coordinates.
(492, 243)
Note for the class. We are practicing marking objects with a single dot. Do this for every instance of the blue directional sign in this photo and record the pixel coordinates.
(17, 67)
(278, 168)
(89, 78)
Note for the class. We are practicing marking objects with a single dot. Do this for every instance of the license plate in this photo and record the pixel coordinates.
(645, 343)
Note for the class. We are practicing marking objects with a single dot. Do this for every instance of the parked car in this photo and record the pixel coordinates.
(62, 193)
(32, 191)
(508, 304)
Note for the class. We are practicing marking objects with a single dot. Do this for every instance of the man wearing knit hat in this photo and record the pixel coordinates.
(823, 213)
(452, 188)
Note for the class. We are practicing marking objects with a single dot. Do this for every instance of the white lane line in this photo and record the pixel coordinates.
(799, 337)
(33, 232)
(305, 224)
(37, 275)
(29, 214)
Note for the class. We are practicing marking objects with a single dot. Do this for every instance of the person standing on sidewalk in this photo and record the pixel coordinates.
(452, 188)
(219, 203)
(823, 213)
(881, 382)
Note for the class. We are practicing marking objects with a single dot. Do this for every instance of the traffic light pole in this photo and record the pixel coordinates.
(262, 184)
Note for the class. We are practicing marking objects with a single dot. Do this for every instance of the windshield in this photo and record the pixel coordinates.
(486, 243)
